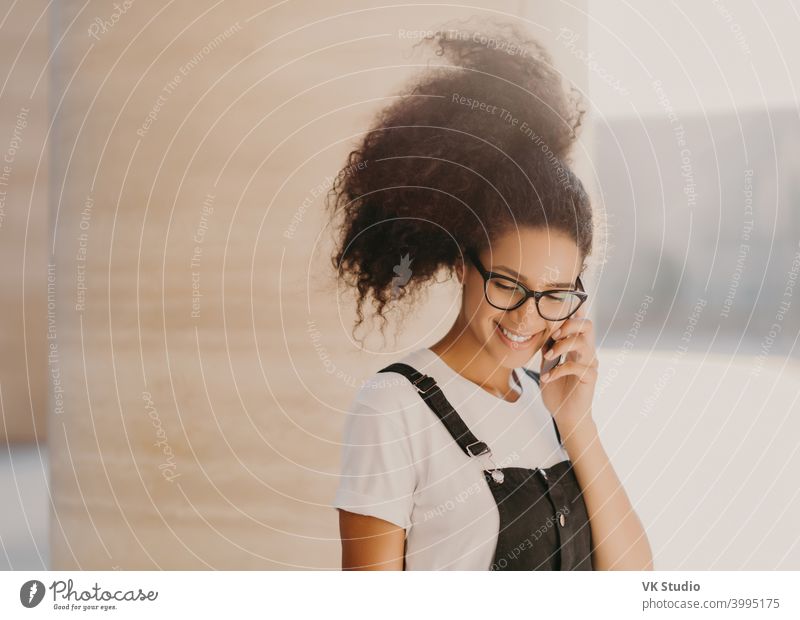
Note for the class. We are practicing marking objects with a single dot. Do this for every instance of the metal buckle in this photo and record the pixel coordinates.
(488, 450)
(431, 383)
(497, 474)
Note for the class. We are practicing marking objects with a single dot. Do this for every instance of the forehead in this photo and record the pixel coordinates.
(539, 255)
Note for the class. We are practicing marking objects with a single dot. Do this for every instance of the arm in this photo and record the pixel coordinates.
(619, 540)
(369, 543)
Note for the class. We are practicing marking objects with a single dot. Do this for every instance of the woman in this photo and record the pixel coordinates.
(455, 455)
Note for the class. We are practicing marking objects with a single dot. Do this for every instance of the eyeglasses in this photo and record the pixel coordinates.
(505, 293)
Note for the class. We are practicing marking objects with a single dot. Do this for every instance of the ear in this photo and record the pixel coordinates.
(460, 271)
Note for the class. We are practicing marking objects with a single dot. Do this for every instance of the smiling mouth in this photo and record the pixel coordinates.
(514, 337)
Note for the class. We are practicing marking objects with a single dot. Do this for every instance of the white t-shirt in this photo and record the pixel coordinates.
(399, 463)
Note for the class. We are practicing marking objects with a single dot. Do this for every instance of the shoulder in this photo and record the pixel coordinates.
(387, 390)
(388, 398)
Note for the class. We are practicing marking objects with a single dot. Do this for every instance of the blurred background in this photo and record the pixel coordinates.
(177, 359)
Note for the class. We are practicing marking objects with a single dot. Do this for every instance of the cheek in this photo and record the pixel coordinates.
(473, 300)
(477, 309)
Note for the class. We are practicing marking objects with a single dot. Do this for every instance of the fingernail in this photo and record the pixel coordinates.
(556, 333)
(548, 355)
(545, 376)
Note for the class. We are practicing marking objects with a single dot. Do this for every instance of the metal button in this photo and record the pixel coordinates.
(561, 519)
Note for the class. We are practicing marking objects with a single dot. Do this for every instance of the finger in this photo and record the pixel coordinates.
(573, 325)
(565, 345)
(579, 347)
(584, 373)
(580, 312)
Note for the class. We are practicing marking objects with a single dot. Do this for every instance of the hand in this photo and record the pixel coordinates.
(568, 389)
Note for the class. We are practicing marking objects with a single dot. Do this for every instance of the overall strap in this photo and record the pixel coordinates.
(435, 399)
(535, 376)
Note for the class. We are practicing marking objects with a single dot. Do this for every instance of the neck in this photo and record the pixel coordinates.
(469, 358)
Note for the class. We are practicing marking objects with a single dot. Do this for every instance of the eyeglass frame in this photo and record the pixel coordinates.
(537, 295)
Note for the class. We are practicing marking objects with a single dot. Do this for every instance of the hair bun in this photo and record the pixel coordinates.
(522, 78)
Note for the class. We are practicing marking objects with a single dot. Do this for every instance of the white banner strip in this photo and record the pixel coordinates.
(352, 595)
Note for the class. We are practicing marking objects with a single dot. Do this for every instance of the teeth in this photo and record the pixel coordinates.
(512, 336)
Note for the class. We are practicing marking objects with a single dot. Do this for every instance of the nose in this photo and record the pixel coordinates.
(527, 319)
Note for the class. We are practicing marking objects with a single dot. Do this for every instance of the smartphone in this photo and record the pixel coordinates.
(548, 365)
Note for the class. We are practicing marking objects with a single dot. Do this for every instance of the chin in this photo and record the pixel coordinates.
(506, 349)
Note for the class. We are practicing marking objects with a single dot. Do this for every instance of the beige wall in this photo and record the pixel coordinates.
(246, 395)
(23, 223)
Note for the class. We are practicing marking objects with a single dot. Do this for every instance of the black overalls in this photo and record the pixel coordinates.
(543, 520)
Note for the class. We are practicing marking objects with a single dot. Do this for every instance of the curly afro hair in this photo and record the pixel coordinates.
(472, 149)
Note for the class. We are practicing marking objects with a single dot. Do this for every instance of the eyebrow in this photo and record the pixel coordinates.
(523, 279)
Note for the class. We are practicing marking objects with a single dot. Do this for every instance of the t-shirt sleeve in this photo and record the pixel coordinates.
(378, 477)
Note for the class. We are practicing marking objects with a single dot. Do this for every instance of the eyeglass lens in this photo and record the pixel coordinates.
(553, 306)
